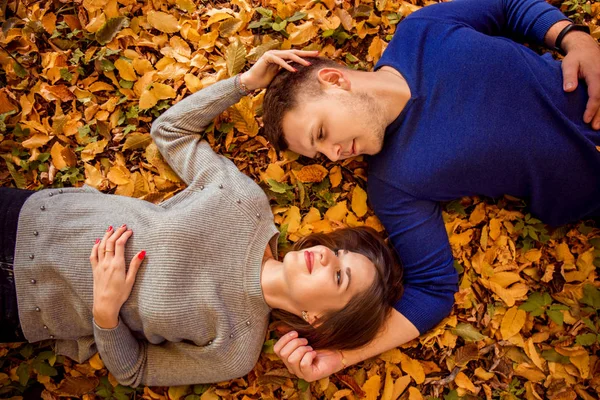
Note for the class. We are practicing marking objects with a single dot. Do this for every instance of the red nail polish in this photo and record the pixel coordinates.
(109, 229)
(97, 241)
(142, 255)
(124, 225)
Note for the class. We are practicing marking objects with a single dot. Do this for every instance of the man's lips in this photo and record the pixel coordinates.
(308, 257)
(353, 146)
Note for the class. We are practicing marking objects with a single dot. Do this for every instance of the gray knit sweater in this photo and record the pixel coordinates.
(196, 313)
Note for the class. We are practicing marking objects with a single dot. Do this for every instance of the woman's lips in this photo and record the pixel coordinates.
(308, 257)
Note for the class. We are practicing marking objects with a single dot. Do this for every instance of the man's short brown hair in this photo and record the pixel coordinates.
(284, 92)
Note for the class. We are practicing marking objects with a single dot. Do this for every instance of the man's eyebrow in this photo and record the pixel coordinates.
(349, 273)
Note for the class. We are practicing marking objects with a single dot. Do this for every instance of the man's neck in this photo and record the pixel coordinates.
(389, 87)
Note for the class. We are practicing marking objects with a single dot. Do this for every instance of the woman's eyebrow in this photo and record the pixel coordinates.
(349, 273)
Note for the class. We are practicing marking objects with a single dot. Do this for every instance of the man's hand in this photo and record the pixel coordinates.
(583, 61)
(304, 362)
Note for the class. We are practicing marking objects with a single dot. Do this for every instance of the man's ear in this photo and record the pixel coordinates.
(333, 78)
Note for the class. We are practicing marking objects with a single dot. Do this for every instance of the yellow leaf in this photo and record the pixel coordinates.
(162, 91)
(220, 16)
(533, 255)
(57, 158)
(96, 362)
(313, 215)
(335, 176)
(400, 386)
(275, 172)
(393, 356)
(458, 240)
(512, 322)
(235, 54)
(483, 374)
(35, 141)
(532, 353)
(125, 69)
(292, 219)
(564, 254)
(243, 117)
(464, 382)
(302, 33)
(192, 82)
(388, 386)
(311, 173)
(495, 228)
(147, 100)
(505, 279)
(373, 222)
(372, 387)
(164, 22)
(414, 394)
(338, 212)
(93, 176)
(119, 175)
(529, 372)
(582, 362)
(359, 201)
(376, 48)
(413, 368)
(340, 394)
(142, 66)
(478, 214)
(177, 392)
(504, 294)
(92, 149)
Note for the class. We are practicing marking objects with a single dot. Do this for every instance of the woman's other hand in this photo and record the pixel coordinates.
(304, 362)
(112, 282)
(268, 65)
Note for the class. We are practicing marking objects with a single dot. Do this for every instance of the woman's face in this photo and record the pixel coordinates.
(321, 280)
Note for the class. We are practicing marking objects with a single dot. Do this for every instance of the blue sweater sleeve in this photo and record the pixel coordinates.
(520, 20)
(416, 230)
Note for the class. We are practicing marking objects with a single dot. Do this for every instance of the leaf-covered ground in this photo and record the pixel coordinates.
(82, 81)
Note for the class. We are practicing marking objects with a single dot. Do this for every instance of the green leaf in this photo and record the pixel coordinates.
(126, 84)
(110, 29)
(556, 316)
(19, 178)
(303, 385)
(65, 74)
(467, 332)
(199, 389)
(452, 395)
(279, 26)
(106, 65)
(456, 207)
(591, 296)
(296, 17)
(43, 368)
(278, 187)
(553, 356)
(586, 339)
(264, 12)
(536, 303)
(23, 372)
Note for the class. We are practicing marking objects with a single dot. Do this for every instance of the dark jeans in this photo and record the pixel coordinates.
(11, 201)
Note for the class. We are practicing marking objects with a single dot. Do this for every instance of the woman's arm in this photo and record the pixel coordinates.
(177, 131)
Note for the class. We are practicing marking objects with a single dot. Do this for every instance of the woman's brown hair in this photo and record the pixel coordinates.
(358, 322)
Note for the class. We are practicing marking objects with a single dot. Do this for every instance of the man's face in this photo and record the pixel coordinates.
(338, 124)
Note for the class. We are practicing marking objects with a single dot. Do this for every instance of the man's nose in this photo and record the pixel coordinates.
(333, 152)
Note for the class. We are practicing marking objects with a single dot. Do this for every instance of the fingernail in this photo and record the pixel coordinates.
(109, 229)
(309, 63)
(97, 241)
(295, 70)
(293, 333)
(142, 255)
(123, 226)
(569, 85)
(310, 348)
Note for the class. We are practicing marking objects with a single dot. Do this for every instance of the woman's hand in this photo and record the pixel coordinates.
(304, 362)
(268, 65)
(112, 283)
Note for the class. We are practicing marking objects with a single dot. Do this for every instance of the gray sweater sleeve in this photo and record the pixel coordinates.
(177, 131)
(136, 362)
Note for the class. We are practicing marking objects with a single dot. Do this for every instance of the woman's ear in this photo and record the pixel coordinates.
(313, 319)
(333, 78)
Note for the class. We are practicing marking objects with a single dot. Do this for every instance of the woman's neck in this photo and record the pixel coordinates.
(273, 283)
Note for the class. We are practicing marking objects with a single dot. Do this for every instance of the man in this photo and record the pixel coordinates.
(455, 107)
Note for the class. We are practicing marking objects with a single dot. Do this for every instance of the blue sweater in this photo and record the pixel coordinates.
(487, 116)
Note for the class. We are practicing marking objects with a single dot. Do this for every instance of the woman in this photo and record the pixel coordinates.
(195, 307)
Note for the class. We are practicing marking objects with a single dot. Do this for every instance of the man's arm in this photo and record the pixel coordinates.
(534, 21)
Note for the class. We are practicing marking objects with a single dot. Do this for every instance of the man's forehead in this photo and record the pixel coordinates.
(297, 133)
